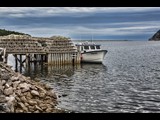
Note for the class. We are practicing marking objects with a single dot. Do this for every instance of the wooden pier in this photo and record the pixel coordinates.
(35, 50)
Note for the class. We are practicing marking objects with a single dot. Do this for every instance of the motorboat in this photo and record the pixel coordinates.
(91, 52)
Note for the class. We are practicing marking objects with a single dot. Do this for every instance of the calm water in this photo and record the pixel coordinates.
(128, 80)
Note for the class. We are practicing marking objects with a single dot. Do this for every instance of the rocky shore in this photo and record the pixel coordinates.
(155, 37)
(20, 94)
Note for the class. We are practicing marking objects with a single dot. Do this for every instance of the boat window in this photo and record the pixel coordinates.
(97, 47)
(86, 47)
(81, 48)
(92, 47)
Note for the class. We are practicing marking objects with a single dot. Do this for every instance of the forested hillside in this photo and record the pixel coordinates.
(4, 32)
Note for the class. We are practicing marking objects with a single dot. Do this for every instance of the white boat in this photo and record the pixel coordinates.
(91, 52)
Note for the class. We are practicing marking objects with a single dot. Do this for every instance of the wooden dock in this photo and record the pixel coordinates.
(39, 50)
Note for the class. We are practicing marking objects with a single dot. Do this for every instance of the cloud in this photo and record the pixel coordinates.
(110, 29)
(61, 11)
(85, 21)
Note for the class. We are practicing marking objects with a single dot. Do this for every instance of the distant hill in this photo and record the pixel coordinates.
(155, 37)
(4, 32)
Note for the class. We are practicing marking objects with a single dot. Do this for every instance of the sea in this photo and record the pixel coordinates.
(128, 81)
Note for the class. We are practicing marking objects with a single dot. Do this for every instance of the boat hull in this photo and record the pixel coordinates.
(93, 56)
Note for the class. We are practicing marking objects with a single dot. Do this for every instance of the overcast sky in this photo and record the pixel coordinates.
(109, 23)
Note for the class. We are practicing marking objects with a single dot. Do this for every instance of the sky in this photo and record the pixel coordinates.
(78, 23)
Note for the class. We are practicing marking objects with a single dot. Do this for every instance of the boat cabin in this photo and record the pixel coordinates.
(87, 47)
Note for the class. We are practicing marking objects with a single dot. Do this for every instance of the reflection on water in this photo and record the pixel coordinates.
(50, 70)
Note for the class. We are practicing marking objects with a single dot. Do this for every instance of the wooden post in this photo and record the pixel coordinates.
(4, 55)
(16, 63)
(6, 58)
(26, 60)
(46, 56)
(20, 63)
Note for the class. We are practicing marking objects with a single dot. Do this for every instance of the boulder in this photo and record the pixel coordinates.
(3, 99)
(23, 99)
(7, 85)
(52, 94)
(1, 88)
(5, 76)
(34, 93)
(13, 78)
(32, 102)
(15, 84)
(24, 86)
(29, 96)
(18, 92)
(8, 91)
(42, 95)
(31, 108)
(22, 106)
(3, 82)
(11, 103)
(4, 107)
(38, 108)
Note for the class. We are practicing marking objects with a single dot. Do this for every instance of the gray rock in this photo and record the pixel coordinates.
(29, 96)
(31, 108)
(11, 103)
(43, 106)
(19, 111)
(13, 78)
(4, 107)
(25, 90)
(3, 70)
(3, 82)
(18, 92)
(5, 76)
(64, 76)
(25, 109)
(48, 87)
(38, 108)
(15, 84)
(1, 89)
(23, 98)
(32, 102)
(41, 89)
(3, 99)
(26, 104)
(24, 86)
(42, 95)
(33, 87)
(18, 99)
(49, 110)
(37, 111)
(52, 94)
(7, 85)
(8, 91)
(34, 93)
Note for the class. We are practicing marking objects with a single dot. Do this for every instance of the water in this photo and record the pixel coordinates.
(127, 81)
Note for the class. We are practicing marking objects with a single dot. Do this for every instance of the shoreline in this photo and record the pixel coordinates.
(20, 94)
